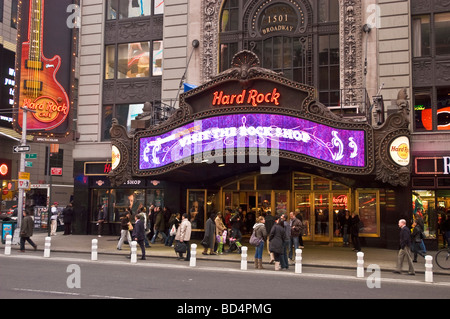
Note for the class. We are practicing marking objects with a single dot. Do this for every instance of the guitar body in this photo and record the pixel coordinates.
(39, 89)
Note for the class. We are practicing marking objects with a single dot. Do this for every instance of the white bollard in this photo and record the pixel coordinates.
(428, 268)
(193, 259)
(94, 254)
(8, 245)
(360, 265)
(298, 261)
(244, 251)
(133, 252)
(47, 245)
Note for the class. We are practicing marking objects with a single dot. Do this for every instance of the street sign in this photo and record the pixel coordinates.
(56, 171)
(24, 180)
(21, 148)
(28, 164)
(31, 156)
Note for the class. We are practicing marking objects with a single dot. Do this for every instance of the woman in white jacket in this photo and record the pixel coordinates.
(184, 235)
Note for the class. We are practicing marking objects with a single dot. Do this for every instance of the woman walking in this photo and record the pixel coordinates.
(277, 237)
(260, 232)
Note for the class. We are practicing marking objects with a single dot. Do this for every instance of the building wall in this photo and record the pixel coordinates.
(90, 71)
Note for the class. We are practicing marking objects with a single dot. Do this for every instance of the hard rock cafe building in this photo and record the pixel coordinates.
(252, 138)
(280, 120)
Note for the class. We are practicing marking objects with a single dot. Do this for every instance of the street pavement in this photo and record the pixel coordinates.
(313, 255)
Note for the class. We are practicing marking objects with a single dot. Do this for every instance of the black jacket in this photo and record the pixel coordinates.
(405, 237)
(139, 230)
(276, 238)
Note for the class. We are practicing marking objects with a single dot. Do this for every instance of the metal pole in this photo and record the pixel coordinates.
(23, 141)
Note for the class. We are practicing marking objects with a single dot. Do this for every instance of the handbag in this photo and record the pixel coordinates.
(180, 247)
(173, 230)
(255, 241)
(130, 227)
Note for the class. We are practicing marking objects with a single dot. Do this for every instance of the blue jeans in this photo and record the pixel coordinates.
(293, 242)
(156, 234)
(259, 250)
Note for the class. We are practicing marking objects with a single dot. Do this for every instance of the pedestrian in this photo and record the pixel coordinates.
(446, 229)
(174, 223)
(277, 237)
(125, 227)
(355, 224)
(296, 229)
(345, 227)
(26, 230)
(67, 219)
(259, 228)
(269, 222)
(101, 217)
(236, 235)
(210, 236)
(405, 248)
(220, 233)
(417, 236)
(159, 225)
(139, 233)
(53, 219)
(184, 235)
(284, 261)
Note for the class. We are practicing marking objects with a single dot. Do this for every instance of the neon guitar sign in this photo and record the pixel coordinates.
(39, 89)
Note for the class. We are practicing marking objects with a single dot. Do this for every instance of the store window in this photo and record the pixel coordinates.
(368, 210)
(424, 207)
(423, 116)
(196, 208)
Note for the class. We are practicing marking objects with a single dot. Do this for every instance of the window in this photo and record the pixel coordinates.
(132, 60)
(421, 36)
(14, 9)
(442, 36)
(124, 113)
(230, 16)
(368, 209)
(329, 78)
(56, 159)
(423, 120)
(432, 109)
(157, 58)
(328, 10)
(123, 9)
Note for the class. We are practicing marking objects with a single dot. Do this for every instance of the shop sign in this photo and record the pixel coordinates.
(250, 97)
(257, 131)
(399, 151)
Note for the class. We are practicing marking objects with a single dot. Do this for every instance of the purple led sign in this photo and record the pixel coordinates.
(261, 131)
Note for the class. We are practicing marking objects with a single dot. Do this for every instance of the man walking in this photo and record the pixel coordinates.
(405, 248)
(26, 230)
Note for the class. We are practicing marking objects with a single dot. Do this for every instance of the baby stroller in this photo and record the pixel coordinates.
(235, 243)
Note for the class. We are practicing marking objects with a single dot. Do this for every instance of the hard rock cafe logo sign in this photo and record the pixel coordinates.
(399, 150)
(246, 97)
(47, 109)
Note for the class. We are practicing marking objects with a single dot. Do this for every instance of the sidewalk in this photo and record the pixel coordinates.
(313, 254)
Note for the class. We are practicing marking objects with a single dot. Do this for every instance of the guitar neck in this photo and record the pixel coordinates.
(35, 31)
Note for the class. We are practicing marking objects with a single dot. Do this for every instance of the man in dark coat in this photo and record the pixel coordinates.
(139, 234)
(67, 219)
(405, 248)
(26, 230)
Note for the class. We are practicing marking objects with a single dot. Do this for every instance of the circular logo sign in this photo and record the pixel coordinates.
(399, 151)
(3, 169)
(115, 157)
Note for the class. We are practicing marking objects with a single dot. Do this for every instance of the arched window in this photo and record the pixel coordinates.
(281, 33)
